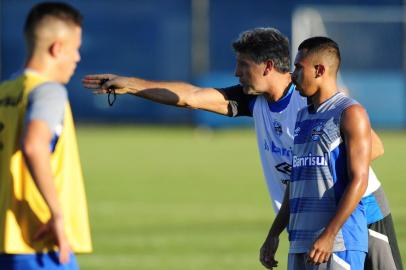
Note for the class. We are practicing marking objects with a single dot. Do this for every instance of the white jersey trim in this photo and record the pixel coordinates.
(341, 262)
(378, 235)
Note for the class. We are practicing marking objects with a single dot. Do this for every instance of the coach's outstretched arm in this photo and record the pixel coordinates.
(171, 93)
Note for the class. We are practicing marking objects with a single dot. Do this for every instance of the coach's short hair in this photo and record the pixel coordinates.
(54, 10)
(263, 44)
(325, 45)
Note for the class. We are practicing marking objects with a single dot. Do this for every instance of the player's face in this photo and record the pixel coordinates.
(304, 74)
(70, 55)
(250, 75)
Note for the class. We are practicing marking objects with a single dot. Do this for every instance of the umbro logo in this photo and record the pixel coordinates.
(284, 167)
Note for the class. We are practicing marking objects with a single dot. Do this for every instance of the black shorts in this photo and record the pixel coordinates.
(383, 250)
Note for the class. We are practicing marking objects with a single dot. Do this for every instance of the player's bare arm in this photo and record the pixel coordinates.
(170, 93)
(377, 144)
(270, 246)
(356, 131)
(36, 143)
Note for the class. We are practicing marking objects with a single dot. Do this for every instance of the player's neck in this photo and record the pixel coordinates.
(41, 66)
(279, 88)
(324, 92)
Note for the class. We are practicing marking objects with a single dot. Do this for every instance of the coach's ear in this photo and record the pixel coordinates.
(319, 70)
(268, 67)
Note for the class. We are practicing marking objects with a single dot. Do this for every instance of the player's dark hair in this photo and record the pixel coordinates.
(321, 44)
(263, 44)
(57, 10)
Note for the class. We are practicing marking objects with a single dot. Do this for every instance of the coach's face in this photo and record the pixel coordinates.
(250, 75)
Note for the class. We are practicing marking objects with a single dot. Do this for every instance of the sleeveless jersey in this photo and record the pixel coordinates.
(319, 178)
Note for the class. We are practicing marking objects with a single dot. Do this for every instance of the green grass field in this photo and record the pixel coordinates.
(182, 198)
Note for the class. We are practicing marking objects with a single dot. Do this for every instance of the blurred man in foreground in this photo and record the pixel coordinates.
(43, 217)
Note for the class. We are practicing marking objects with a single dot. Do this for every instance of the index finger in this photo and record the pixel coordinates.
(311, 254)
(64, 254)
(97, 76)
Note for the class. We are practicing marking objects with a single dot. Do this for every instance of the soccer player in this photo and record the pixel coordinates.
(43, 216)
(265, 93)
(331, 153)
